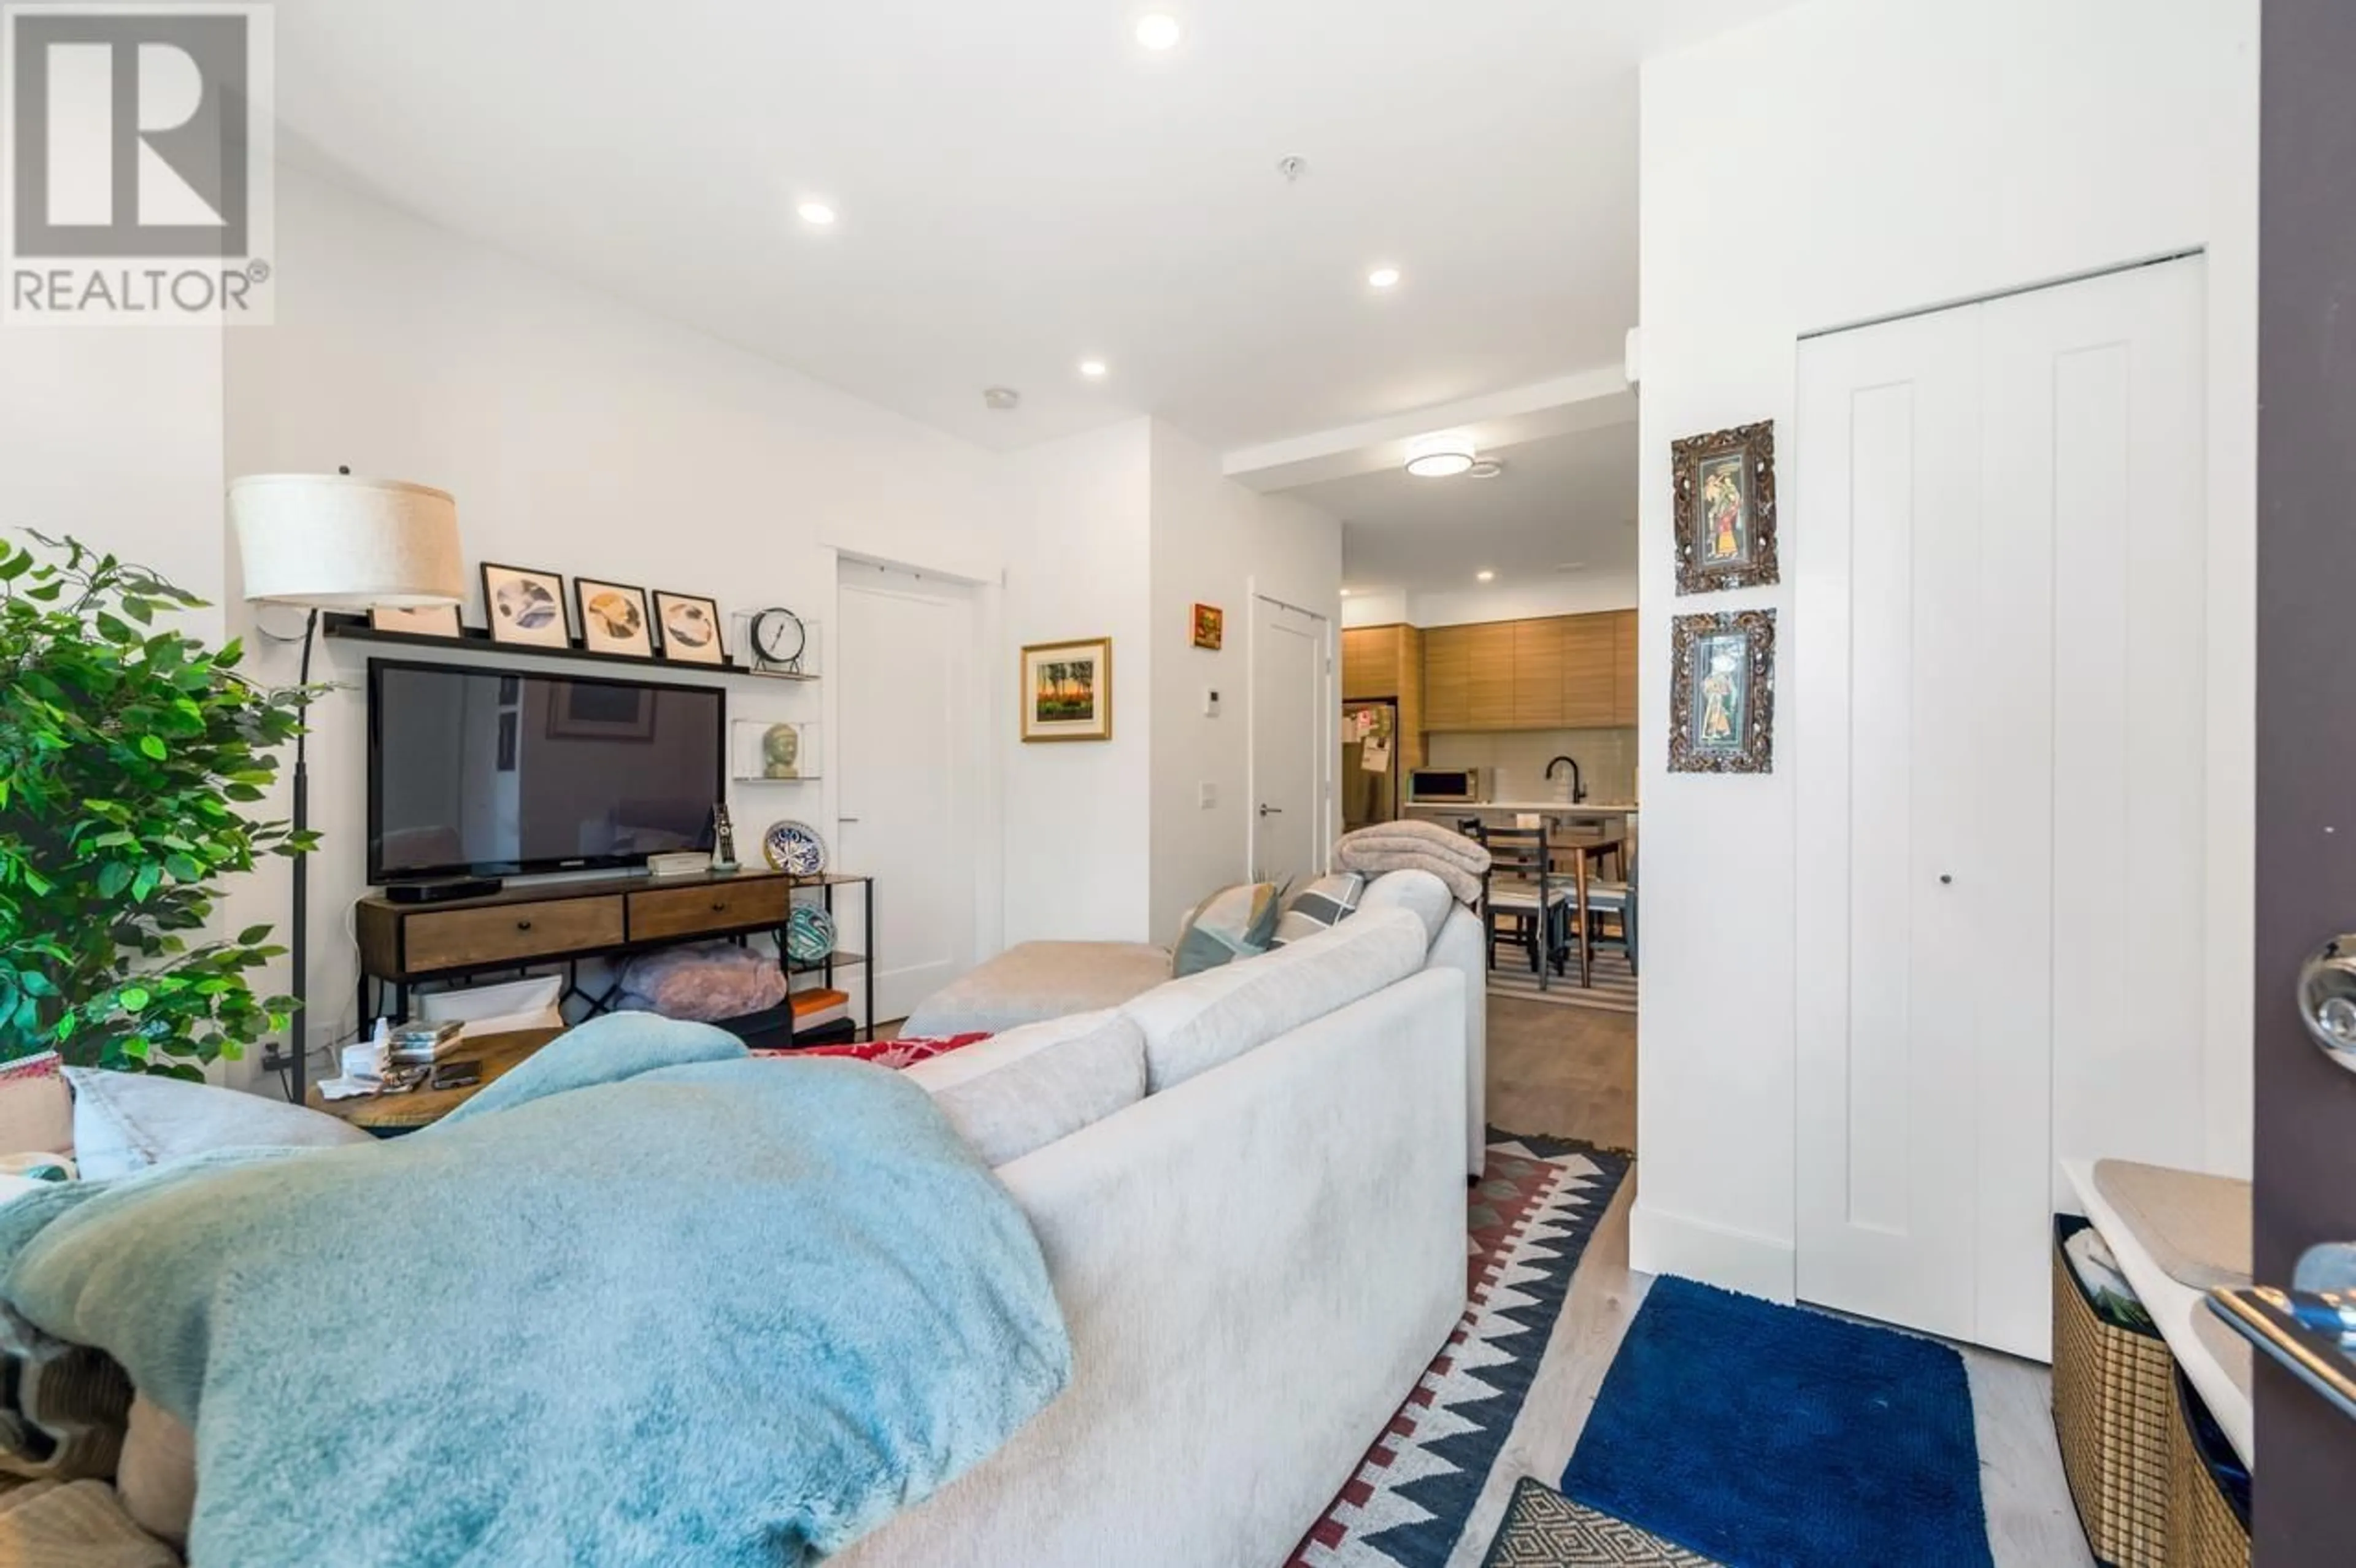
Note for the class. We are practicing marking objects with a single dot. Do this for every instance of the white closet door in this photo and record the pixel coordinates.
(2002, 755)
(1889, 776)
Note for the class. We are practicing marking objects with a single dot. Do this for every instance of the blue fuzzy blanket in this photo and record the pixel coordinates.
(644, 1300)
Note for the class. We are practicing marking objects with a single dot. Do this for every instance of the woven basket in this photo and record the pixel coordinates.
(2112, 1412)
(2203, 1530)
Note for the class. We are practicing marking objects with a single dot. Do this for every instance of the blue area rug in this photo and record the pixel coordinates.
(1769, 1437)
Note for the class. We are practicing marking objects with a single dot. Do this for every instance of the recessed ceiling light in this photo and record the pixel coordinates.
(1485, 577)
(1441, 465)
(1094, 370)
(1345, 593)
(1159, 31)
(1383, 278)
(817, 214)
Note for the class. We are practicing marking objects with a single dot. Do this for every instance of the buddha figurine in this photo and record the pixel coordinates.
(781, 750)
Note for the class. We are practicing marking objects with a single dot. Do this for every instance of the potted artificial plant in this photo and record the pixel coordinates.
(127, 750)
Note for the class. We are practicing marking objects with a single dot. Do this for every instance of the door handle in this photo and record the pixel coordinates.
(2309, 1328)
(2327, 999)
(1266, 810)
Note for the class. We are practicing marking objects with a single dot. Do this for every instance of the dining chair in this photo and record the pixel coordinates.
(1525, 894)
(1616, 903)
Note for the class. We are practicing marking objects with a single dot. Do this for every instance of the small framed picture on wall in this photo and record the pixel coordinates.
(613, 617)
(1726, 508)
(1722, 693)
(691, 628)
(1067, 690)
(524, 606)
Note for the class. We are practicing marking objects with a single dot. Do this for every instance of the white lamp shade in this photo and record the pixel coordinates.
(336, 542)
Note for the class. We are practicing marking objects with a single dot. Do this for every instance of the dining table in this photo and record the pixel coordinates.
(1583, 850)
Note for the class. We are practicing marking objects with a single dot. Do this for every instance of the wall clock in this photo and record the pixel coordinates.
(779, 639)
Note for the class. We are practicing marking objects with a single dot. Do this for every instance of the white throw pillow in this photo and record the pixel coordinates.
(128, 1121)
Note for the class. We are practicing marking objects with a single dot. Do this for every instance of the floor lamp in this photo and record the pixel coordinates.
(328, 541)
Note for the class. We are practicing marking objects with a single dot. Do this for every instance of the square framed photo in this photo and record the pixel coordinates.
(433, 621)
(525, 607)
(1722, 693)
(1726, 508)
(691, 628)
(1067, 690)
(613, 617)
(1210, 627)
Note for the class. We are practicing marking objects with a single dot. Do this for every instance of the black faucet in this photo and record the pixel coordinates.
(1577, 784)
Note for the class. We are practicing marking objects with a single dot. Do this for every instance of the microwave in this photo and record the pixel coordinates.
(1444, 786)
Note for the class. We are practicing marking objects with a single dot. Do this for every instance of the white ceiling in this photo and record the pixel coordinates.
(1020, 185)
(1568, 498)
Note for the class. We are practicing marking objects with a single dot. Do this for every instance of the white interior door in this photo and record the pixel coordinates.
(1289, 746)
(1998, 736)
(907, 712)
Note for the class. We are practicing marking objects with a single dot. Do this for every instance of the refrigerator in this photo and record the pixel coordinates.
(1369, 782)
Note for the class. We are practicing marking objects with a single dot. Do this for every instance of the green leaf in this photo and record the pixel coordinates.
(134, 999)
(153, 746)
(252, 935)
(113, 877)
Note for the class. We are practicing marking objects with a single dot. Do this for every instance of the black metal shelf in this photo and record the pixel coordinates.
(477, 640)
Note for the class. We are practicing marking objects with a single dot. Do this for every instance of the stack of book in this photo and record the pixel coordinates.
(817, 1008)
(423, 1044)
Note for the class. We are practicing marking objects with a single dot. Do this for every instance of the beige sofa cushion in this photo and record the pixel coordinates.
(74, 1524)
(1419, 891)
(158, 1475)
(1033, 1085)
(128, 1121)
(1195, 1024)
(1035, 981)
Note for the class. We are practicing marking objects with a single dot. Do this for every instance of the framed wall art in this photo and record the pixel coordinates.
(1067, 690)
(1210, 627)
(1726, 508)
(691, 628)
(431, 621)
(1722, 693)
(613, 617)
(524, 606)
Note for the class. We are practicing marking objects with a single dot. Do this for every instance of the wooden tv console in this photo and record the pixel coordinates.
(564, 922)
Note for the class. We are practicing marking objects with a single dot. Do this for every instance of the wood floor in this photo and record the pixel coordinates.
(1571, 1072)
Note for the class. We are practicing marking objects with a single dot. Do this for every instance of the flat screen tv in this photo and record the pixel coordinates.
(496, 773)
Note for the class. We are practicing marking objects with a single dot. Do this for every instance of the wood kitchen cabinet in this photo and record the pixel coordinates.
(1556, 672)
(1538, 673)
(1388, 663)
(1447, 677)
(1623, 668)
(1585, 673)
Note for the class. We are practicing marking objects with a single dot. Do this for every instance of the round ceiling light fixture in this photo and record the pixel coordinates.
(1383, 278)
(1159, 31)
(1442, 462)
(1095, 369)
(817, 214)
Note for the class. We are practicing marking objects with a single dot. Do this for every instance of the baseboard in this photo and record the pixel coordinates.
(1661, 1242)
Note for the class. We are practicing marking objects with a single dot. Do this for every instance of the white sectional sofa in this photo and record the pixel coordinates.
(1257, 1257)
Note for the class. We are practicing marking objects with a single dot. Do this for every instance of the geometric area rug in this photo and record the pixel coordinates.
(1543, 1528)
(1538, 1202)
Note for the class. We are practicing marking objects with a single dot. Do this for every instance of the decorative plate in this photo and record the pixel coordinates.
(794, 846)
(810, 934)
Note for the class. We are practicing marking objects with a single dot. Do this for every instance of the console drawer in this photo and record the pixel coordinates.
(461, 938)
(711, 906)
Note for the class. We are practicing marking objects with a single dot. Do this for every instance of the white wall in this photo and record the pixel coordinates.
(1582, 594)
(578, 434)
(1078, 815)
(1379, 607)
(1216, 543)
(1844, 160)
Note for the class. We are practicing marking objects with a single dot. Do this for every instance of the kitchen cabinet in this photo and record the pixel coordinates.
(1489, 697)
(1447, 677)
(1555, 672)
(1370, 662)
(1538, 673)
(1623, 668)
(1585, 672)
